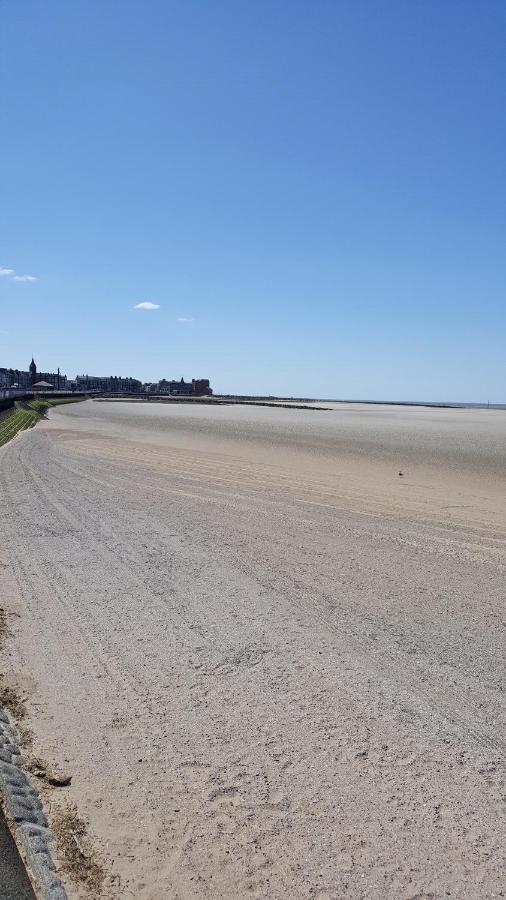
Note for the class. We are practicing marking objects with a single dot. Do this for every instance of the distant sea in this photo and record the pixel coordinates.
(442, 403)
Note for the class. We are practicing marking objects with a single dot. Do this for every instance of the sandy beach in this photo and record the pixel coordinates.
(267, 644)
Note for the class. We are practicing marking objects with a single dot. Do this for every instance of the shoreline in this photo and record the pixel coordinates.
(289, 403)
(209, 401)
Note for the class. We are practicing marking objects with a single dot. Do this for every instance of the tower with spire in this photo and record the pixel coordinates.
(33, 371)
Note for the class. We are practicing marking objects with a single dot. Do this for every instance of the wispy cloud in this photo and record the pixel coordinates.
(185, 320)
(146, 304)
(11, 273)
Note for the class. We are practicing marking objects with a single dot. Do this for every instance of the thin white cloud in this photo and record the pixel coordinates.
(4, 271)
(185, 320)
(24, 278)
(147, 305)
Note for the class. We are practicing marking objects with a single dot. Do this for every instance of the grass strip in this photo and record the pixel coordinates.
(26, 414)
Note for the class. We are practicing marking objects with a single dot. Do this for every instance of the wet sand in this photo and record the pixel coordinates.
(273, 664)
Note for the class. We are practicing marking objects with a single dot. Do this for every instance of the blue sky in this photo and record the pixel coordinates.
(317, 188)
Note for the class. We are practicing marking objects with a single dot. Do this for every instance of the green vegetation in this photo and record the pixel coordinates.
(14, 420)
(25, 414)
(41, 405)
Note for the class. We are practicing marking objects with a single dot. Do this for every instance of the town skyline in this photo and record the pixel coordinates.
(32, 377)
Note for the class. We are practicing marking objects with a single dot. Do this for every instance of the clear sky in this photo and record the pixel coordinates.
(313, 193)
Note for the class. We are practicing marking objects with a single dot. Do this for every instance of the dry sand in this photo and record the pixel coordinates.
(273, 665)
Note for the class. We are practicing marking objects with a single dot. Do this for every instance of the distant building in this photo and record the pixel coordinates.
(55, 379)
(109, 385)
(16, 378)
(201, 387)
(174, 387)
(105, 384)
(195, 388)
(5, 379)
